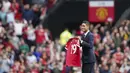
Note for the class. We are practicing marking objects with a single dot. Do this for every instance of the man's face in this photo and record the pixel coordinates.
(84, 27)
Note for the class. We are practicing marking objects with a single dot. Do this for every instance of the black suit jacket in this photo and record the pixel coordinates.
(88, 55)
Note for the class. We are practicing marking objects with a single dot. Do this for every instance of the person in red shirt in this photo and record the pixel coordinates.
(73, 53)
(118, 56)
(96, 36)
(1, 46)
(43, 59)
(21, 68)
(46, 70)
(15, 7)
(35, 70)
(40, 36)
(50, 3)
(16, 66)
(24, 32)
(8, 45)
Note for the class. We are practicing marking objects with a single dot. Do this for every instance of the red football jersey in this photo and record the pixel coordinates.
(40, 37)
(73, 53)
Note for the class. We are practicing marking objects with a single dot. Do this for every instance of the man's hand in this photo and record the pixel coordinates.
(79, 37)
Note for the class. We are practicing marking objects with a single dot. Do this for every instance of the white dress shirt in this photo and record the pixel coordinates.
(85, 34)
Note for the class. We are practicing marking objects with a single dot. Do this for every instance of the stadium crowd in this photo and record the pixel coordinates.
(112, 47)
(27, 47)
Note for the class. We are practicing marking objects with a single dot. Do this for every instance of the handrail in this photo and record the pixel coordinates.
(123, 16)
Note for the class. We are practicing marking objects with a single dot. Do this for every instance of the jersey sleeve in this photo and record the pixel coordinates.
(68, 44)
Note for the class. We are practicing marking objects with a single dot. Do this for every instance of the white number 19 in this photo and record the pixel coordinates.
(73, 49)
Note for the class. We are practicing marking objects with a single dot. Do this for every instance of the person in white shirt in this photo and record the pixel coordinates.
(18, 26)
(31, 33)
(10, 17)
(31, 36)
(6, 5)
(14, 40)
(31, 59)
(6, 63)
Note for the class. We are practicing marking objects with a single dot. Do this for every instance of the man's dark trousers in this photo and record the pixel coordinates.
(88, 68)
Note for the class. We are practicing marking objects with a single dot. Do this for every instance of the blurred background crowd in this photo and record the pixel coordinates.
(26, 46)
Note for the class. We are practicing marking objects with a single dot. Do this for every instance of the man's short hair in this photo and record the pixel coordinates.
(86, 22)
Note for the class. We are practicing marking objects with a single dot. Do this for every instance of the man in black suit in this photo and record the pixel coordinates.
(86, 42)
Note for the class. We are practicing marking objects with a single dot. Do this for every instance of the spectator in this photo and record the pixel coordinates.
(15, 7)
(56, 70)
(24, 47)
(5, 63)
(31, 36)
(65, 36)
(105, 69)
(50, 3)
(113, 67)
(25, 32)
(1, 69)
(43, 12)
(40, 35)
(10, 16)
(36, 15)
(18, 26)
(38, 53)
(27, 13)
(2, 29)
(6, 5)
(14, 40)
(44, 59)
(102, 32)
(125, 67)
(117, 40)
(16, 66)
(96, 37)
(31, 60)
(118, 56)
(3, 16)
